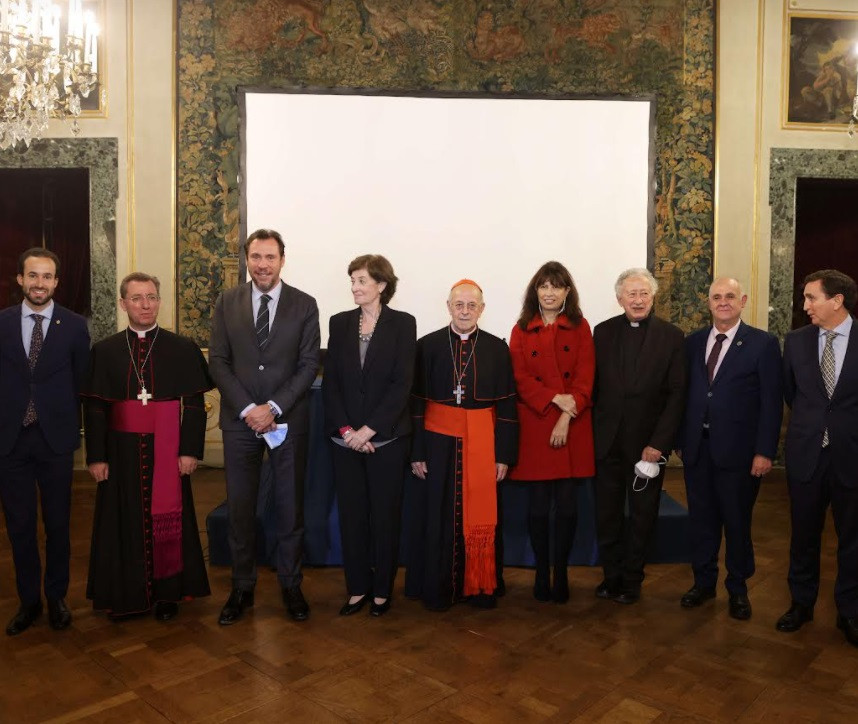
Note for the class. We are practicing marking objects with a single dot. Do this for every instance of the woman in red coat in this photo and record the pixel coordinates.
(554, 362)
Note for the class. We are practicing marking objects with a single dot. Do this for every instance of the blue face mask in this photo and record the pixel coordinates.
(276, 437)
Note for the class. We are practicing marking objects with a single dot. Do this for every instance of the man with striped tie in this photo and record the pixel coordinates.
(821, 387)
(264, 356)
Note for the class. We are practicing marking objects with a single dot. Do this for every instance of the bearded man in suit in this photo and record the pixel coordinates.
(264, 356)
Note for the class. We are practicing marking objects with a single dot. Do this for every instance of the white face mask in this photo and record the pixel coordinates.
(646, 471)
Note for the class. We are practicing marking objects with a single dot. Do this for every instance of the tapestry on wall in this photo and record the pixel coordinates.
(660, 48)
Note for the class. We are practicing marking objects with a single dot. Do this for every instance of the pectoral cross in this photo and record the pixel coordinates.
(458, 392)
(144, 396)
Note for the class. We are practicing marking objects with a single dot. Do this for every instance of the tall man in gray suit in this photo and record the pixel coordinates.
(264, 355)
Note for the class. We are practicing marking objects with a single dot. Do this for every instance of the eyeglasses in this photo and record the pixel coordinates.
(139, 298)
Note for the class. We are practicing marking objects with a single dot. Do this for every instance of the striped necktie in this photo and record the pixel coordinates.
(262, 320)
(828, 369)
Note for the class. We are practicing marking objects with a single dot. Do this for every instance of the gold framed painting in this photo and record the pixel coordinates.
(820, 70)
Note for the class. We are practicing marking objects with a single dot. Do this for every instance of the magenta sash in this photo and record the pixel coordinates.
(161, 419)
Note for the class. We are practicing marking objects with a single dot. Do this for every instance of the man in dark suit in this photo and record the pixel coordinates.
(821, 387)
(264, 355)
(639, 396)
(727, 441)
(44, 354)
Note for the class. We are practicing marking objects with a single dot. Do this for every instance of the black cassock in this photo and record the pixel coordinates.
(436, 543)
(121, 567)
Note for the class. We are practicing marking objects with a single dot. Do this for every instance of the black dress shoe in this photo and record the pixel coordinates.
(349, 608)
(849, 626)
(740, 606)
(483, 600)
(296, 604)
(59, 615)
(234, 607)
(607, 590)
(166, 610)
(628, 597)
(695, 596)
(25, 617)
(795, 618)
(379, 609)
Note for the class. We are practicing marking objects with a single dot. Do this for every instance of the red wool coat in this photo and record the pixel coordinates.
(546, 361)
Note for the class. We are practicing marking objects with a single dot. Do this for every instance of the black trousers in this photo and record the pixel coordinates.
(721, 499)
(243, 453)
(623, 545)
(369, 499)
(32, 470)
(809, 502)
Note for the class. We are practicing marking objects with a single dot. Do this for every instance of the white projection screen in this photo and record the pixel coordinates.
(449, 187)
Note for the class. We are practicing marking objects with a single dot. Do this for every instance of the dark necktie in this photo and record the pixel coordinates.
(712, 360)
(828, 369)
(262, 321)
(36, 341)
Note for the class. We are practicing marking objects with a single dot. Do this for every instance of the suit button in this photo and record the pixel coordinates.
(708, 394)
(261, 367)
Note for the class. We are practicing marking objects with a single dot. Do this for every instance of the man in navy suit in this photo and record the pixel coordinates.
(44, 354)
(821, 387)
(727, 440)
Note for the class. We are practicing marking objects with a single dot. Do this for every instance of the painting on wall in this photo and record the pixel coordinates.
(95, 104)
(821, 66)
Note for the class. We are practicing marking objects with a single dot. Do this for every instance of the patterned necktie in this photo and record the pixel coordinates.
(35, 348)
(262, 321)
(712, 360)
(828, 369)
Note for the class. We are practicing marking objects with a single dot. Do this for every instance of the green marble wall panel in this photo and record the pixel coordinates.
(787, 165)
(101, 157)
(662, 49)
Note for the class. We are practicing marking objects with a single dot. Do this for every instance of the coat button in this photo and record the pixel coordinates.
(565, 347)
(708, 394)
(261, 367)
(534, 353)
(566, 375)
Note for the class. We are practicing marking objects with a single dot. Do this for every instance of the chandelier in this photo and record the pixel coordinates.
(40, 77)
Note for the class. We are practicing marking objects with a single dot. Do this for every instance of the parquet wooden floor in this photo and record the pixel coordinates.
(589, 660)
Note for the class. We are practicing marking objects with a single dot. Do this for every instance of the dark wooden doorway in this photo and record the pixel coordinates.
(826, 233)
(47, 207)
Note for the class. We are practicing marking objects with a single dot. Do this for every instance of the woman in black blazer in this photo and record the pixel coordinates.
(369, 369)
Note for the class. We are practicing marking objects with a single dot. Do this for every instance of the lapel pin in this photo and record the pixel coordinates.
(739, 343)
(57, 321)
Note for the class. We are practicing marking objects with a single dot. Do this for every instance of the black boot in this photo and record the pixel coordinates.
(564, 534)
(538, 530)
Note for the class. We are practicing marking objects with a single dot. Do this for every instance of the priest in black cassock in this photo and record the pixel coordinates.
(465, 439)
(145, 428)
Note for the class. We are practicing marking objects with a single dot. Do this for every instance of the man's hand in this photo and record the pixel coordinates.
(99, 471)
(187, 464)
(561, 431)
(359, 440)
(650, 455)
(419, 469)
(566, 403)
(260, 419)
(760, 466)
(502, 471)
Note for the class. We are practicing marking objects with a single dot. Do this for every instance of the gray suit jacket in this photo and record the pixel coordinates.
(283, 371)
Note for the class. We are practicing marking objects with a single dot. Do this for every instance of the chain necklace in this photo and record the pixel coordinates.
(459, 375)
(144, 396)
(365, 337)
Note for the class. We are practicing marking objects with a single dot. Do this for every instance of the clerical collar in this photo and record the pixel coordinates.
(463, 337)
(641, 323)
(142, 334)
